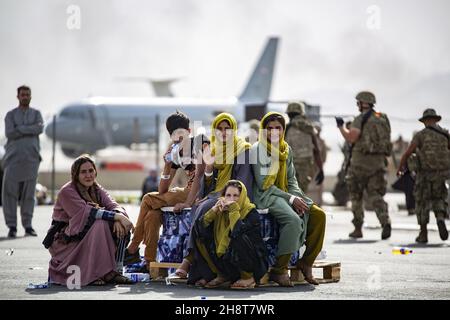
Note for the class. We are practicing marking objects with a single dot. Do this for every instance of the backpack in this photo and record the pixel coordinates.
(298, 139)
(435, 154)
(376, 137)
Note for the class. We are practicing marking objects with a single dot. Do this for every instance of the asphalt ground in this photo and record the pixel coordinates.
(369, 269)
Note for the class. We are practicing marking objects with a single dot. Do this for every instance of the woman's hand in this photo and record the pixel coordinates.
(300, 206)
(226, 204)
(119, 229)
(208, 158)
(95, 205)
(218, 206)
(125, 222)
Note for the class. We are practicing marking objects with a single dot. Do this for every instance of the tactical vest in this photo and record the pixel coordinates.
(300, 142)
(434, 153)
(376, 136)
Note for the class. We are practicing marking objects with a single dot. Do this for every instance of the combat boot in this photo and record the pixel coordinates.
(443, 233)
(423, 234)
(386, 232)
(357, 233)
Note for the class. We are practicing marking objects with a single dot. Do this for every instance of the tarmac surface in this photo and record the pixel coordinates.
(369, 269)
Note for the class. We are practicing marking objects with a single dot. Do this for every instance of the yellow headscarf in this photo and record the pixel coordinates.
(225, 223)
(278, 170)
(225, 153)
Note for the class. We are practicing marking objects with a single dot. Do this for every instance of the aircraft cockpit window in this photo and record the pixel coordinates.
(73, 113)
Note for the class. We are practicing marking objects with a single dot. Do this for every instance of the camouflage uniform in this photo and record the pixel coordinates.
(340, 191)
(367, 173)
(430, 190)
(299, 136)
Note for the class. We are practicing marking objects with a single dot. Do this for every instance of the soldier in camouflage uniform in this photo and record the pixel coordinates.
(370, 137)
(253, 133)
(432, 147)
(302, 137)
(340, 191)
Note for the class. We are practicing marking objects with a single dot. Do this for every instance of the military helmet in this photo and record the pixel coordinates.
(430, 114)
(366, 96)
(296, 107)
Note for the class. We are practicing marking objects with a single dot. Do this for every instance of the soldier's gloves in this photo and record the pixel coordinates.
(319, 177)
(339, 121)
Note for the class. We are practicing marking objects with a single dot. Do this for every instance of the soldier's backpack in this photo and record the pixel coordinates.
(376, 137)
(434, 154)
(300, 141)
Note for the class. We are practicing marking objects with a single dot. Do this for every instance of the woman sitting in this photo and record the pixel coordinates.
(86, 222)
(226, 159)
(276, 188)
(229, 247)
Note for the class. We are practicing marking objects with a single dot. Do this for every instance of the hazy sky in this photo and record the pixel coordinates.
(329, 50)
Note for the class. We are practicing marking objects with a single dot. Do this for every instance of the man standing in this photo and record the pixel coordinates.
(432, 146)
(150, 184)
(340, 191)
(302, 138)
(323, 156)
(23, 125)
(370, 135)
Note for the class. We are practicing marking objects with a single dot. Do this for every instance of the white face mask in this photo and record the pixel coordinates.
(275, 136)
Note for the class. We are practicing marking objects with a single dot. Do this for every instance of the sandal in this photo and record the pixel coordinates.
(131, 258)
(217, 283)
(120, 279)
(181, 273)
(116, 278)
(98, 283)
(308, 277)
(237, 285)
(201, 283)
(282, 279)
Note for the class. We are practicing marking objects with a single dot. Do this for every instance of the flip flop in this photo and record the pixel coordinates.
(249, 286)
(223, 284)
(182, 274)
(308, 279)
(120, 279)
(98, 283)
(200, 283)
(283, 281)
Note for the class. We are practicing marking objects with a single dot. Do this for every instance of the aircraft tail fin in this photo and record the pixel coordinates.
(260, 82)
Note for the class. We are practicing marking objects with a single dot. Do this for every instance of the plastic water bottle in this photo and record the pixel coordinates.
(138, 277)
(401, 250)
(39, 286)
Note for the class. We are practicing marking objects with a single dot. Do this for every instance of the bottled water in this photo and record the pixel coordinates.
(44, 285)
(401, 250)
(174, 154)
(138, 277)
